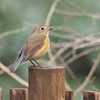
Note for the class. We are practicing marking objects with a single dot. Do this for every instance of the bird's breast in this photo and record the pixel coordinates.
(41, 52)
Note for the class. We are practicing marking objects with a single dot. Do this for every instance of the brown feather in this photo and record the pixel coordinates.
(32, 45)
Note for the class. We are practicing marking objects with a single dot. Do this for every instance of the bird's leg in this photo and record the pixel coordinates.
(37, 63)
(32, 63)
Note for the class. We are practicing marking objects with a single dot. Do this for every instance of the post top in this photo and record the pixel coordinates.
(46, 67)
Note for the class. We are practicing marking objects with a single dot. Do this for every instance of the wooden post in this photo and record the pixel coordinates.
(47, 83)
(0, 93)
(18, 94)
(91, 95)
(69, 95)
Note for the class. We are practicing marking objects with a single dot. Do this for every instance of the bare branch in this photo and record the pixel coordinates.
(16, 31)
(48, 19)
(13, 75)
(52, 9)
(72, 59)
(61, 60)
(89, 76)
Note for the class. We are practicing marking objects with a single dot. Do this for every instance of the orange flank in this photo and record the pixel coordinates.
(43, 50)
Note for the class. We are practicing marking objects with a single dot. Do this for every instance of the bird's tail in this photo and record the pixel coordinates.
(17, 63)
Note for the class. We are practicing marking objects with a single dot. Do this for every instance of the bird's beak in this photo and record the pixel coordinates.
(50, 28)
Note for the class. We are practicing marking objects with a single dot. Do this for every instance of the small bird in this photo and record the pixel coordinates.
(34, 48)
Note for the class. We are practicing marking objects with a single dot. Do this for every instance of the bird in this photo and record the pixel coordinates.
(35, 46)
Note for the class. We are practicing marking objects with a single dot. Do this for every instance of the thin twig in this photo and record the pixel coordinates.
(48, 20)
(94, 87)
(66, 29)
(59, 52)
(72, 59)
(67, 86)
(89, 76)
(70, 13)
(13, 75)
(16, 31)
(52, 9)
(61, 60)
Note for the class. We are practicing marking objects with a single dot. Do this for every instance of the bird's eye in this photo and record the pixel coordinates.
(41, 28)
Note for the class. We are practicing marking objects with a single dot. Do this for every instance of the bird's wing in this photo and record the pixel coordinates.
(32, 45)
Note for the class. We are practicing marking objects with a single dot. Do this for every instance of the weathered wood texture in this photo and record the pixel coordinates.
(0, 93)
(18, 94)
(69, 95)
(47, 83)
(91, 95)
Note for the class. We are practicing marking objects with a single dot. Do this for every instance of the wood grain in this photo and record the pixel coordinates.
(47, 83)
(18, 94)
(69, 95)
(0, 93)
(91, 95)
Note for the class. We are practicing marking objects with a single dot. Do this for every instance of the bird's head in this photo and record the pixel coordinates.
(42, 30)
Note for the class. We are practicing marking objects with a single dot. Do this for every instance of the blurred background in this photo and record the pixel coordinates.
(75, 40)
